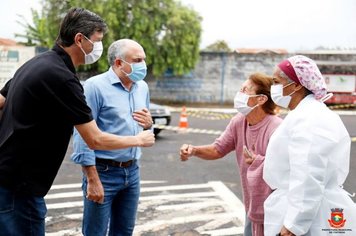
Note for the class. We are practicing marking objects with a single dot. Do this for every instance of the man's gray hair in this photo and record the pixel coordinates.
(118, 49)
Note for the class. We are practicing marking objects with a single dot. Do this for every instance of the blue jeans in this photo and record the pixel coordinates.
(121, 194)
(21, 215)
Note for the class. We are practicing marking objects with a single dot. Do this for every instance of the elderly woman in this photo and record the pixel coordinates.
(247, 134)
(307, 159)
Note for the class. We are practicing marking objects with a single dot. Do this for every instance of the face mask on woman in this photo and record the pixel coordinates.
(240, 103)
(277, 95)
(138, 71)
(95, 54)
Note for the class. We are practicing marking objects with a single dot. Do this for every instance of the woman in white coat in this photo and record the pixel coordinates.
(307, 159)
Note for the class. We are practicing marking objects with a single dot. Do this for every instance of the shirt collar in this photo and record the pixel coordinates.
(114, 79)
(65, 56)
(304, 102)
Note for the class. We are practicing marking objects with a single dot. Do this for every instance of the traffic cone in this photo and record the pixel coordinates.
(183, 119)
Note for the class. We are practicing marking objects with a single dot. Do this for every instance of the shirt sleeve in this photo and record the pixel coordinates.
(82, 154)
(227, 140)
(5, 89)
(72, 103)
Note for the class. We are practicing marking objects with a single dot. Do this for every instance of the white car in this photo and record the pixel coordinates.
(160, 115)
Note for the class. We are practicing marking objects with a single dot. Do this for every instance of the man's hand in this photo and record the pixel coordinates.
(143, 118)
(186, 151)
(146, 138)
(95, 190)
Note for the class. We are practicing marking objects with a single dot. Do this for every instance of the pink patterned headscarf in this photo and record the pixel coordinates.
(307, 72)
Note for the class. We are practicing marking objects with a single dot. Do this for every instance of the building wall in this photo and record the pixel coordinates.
(218, 76)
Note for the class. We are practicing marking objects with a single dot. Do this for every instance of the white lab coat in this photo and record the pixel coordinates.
(306, 162)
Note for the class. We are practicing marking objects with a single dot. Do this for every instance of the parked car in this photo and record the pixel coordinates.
(160, 115)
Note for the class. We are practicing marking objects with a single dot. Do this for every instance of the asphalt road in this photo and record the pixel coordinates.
(161, 165)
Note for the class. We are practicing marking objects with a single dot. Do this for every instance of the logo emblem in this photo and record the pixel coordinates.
(337, 218)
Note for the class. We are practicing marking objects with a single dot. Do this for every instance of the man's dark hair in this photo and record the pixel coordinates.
(79, 20)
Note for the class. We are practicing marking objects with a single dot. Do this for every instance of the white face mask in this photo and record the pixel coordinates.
(277, 95)
(95, 54)
(240, 103)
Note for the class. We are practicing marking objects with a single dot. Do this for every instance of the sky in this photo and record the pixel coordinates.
(289, 24)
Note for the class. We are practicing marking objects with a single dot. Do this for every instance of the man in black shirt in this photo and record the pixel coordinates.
(44, 100)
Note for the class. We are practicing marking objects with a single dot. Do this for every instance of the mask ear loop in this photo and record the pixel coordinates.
(326, 97)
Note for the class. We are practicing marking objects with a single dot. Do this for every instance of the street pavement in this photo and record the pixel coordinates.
(163, 209)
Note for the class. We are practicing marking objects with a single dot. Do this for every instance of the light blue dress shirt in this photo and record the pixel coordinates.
(112, 108)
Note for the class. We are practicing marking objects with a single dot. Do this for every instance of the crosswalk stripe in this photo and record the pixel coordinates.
(64, 195)
(176, 202)
(230, 199)
(64, 205)
(143, 198)
(65, 186)
(153, 225)
(175, 196)
(143, 190)
(225, 232)
(174, 187)
(79, 185)
(194, 205)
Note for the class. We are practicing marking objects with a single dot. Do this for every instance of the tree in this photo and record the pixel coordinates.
(168, 31)
(218, 46)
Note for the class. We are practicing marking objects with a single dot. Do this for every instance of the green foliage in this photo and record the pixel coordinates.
(168, 31)
(218, 46)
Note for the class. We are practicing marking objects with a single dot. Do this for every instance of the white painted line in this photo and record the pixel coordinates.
(64, 195)
(74, 216)
(79, 185)
(144, 189)
(190, 206)
(175, 187)
(146, 198)
(225, 232)
(64, 186)
(230, 199)
(153, 182)
(346, 113)
(64, 205)
(174, 196)
(213, 225)
(78, 216)
(160, 224)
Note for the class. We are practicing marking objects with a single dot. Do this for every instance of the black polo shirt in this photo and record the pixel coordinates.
(5, 89)
(44, 100)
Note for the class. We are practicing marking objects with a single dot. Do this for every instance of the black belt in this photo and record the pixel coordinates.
(123, 164)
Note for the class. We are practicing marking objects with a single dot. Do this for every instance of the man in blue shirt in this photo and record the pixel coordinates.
(119, 99)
